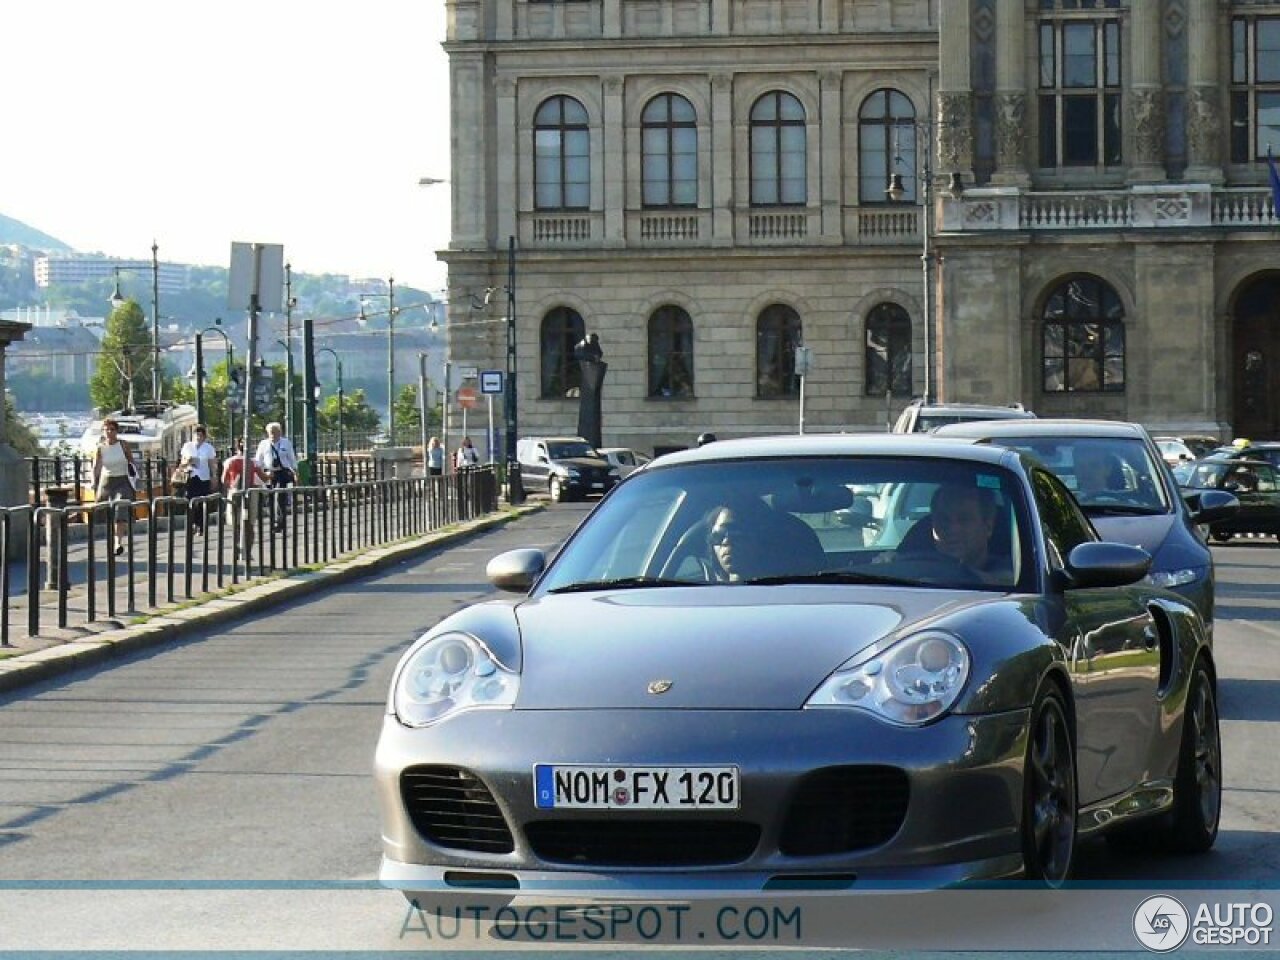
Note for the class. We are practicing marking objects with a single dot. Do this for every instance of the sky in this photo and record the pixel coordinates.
(195, 123)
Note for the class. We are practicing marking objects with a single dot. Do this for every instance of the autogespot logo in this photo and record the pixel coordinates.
(1161, 924)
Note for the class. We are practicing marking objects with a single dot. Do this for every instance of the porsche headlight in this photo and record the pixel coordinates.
(449, 673)
(911, 683)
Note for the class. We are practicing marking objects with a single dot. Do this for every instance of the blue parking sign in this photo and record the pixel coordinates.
(490, 381)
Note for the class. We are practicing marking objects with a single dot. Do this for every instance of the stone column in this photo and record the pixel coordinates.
(830, 184)
(612, 18)
(13, 473)
(1144, 109)
(720, 18)
(955, 96)
(614, 166)
(1011, 95)
(722, 174)
(507, 151)
(1205, 125)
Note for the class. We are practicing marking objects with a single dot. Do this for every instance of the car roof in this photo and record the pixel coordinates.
(1009, 410)
(1063, 427)
(834, 445)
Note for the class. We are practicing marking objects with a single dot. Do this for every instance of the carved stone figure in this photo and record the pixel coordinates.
(1011, 132)
(1203, 127)
(589, 355)
(955, 136)
(1146, 119)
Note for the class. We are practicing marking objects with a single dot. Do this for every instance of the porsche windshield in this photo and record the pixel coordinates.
(901, 520)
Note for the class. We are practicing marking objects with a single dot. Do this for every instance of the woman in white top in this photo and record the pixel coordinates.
(199, 456)
(113, 472)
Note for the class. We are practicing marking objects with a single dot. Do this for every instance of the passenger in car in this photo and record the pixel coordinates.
(749, 540)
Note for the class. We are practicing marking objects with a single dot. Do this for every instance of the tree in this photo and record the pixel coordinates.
(357, 416)
(20, 436)
(123, 374)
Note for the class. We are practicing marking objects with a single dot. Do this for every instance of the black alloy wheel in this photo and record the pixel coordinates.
(1197, 791)
(1049, 794)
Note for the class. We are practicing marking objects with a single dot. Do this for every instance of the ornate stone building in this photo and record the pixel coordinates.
(703, 183)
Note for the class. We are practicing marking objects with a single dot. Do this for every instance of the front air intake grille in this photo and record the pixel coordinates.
(451, 807)
(841, 809)
(624, 842)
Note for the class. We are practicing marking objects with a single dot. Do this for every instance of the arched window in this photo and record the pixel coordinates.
(778, 333)
(886, 145)
(670, 353)
(1083, 338)
(561, 156)
(562, 330)
(888, 354)
(669, 152)
(778, 162)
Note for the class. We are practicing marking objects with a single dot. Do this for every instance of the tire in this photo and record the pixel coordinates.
(1049, 794)
(556, 489)
(1220, 537)
(1197, 789)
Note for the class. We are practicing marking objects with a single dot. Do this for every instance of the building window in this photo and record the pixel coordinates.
(888, 356)
(778, 152)
(562, 330)
(886, 145)
(1079, 89)
(561, 156)
(1083, 342)
(778, 333)
(669, 152)
(670, 353)
(1255, 88)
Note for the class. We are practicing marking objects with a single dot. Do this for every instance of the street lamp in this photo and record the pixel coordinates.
(198, 372)
(897, 192)
(117, 299)
(391, 351)
(288, 389)
(342, 441)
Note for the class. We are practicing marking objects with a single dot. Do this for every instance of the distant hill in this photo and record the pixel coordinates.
(15, 231)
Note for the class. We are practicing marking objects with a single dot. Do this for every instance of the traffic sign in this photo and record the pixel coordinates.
(467, 397)
(491, 381)
(469, 373)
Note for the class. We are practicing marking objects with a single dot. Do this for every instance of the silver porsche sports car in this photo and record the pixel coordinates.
(743, 674)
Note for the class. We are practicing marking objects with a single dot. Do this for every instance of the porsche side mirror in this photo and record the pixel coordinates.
(516, 570)
(1106, 565)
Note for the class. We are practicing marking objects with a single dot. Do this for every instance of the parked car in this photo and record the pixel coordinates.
(1139, 504)
(565, 468)
(624, 459)
(628, 722)
(1269, 452)
(1173, 450)
(921, 417)
(1253, 482)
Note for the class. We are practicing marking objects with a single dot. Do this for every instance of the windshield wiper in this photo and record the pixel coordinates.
(1120, 510)
(625, 583)
(835, 576)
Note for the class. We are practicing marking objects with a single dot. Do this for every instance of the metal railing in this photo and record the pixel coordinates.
(246, 534)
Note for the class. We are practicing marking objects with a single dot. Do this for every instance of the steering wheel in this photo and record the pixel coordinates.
(938, 567)
(691, 545)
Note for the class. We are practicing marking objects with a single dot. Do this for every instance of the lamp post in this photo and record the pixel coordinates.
(290, 301)
(342, 441)
(117, 299)
(199, 375)
(288, 389)
(897, 193)
(391, 352)
(515, 487)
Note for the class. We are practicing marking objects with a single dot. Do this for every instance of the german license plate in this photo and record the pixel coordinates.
(595, 787)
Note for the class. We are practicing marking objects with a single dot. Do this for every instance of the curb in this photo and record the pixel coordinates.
(173, 624)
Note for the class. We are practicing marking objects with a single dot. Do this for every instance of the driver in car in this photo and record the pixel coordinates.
(963, 519)
(1097, 472)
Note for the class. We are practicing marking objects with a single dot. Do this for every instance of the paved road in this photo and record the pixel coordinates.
(239, 763)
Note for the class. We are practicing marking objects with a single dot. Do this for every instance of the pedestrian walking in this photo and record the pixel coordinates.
(233, 480)
(276, 458)
(435, 458)
(467, 456)
(200, 460)
(115, 476)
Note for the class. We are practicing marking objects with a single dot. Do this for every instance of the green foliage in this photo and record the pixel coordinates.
(357, 415)
(21, 437)
(123, 373)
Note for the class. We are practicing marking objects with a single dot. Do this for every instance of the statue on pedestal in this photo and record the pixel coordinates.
(590, 357)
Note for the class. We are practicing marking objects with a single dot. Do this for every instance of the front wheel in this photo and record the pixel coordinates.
(1049, 794)
(1220, 537)
(556, 489)
(1197, 790)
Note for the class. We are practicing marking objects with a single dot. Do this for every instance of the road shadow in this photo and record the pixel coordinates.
(1244, 699)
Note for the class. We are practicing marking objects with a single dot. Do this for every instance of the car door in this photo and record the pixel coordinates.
(1113, 652)
(1259, 501)
(537, 469)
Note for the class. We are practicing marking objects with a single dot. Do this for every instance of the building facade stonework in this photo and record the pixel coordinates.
(703, 183)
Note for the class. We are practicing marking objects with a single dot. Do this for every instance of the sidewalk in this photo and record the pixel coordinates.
(55, 652)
